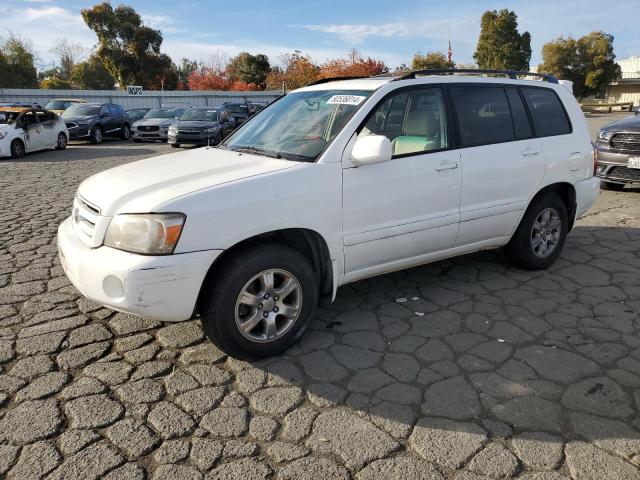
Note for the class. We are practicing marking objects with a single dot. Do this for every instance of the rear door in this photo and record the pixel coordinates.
(49, 130)
(502, 161)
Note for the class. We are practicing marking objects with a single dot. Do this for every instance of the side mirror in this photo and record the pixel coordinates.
(371, 149)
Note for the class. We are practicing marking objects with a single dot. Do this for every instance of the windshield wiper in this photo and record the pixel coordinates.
(257, 150)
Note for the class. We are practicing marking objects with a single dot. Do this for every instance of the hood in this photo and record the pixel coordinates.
(145, 185)
(78, 118)
(196, 124)
(161, 122)
(631, 123)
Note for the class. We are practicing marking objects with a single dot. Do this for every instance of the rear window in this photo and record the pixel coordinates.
(483, 115)
(547, 113)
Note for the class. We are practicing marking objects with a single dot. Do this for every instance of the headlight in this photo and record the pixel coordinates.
(210, 130)
(605, 135)
(150, 234)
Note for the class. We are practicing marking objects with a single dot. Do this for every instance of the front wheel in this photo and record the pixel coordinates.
(259, 302)
(62, 141)
(540, 236)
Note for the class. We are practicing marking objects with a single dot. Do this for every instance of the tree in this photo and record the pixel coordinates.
(500, 45)
(596, 59)
(355, 65)
(129, 50)
(16, 63)
(247, 68)
(431, 60)
(185, 69)
(299, 71)
(69, 54)
(560, 58)
(207, 78)
(92, 75)
(55, 83)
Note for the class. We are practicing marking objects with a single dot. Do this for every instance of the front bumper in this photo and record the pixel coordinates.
(151, 136)
(191, 139)
(79, 132)
(612, 165)
(158, 287)
(586, 193)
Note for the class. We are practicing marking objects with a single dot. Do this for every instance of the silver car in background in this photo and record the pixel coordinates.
(154, 125)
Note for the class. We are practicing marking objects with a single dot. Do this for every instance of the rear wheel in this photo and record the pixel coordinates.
(616, 187)
(260, 301)
(540, 236)
(62, 141)
(96, 135)
(17, 149)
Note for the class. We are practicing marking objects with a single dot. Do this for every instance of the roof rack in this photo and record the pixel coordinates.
(335, 79)
(513, 74)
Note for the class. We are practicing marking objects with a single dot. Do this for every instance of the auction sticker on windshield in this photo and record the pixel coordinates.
(346, 100)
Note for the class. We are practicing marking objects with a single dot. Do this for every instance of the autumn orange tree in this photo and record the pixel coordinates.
(355, 65)
(299, 70)
(209, 78)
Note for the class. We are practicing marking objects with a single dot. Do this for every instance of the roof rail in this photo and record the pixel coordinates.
(513, 74)
(335, 79)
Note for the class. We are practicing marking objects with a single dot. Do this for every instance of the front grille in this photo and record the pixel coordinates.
(189, 132)
(625, 173)
(628, 142)
(84, 217)
(72, 125)
(148, 128)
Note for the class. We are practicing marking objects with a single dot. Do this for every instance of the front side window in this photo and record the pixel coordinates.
(414, 121)
(483, 115)
(549, 118)
(299, 126)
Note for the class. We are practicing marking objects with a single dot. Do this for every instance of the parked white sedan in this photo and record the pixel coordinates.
(25, 130)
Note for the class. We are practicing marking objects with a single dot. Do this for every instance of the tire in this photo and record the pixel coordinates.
(522, 250)
(175, 145)
(616, 187)
(17, 149)
(62, 141)
(96, 135)
(222, 310)
(125, 134)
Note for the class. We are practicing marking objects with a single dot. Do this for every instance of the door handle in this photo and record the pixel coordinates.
(530, 152)
(446, 166)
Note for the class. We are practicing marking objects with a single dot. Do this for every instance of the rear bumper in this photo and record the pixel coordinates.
(586, 193)
(158, 287)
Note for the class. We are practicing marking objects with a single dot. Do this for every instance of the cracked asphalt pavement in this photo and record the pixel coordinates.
(465, 369)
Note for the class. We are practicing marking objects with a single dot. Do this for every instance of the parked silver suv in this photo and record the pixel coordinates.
(618, 150)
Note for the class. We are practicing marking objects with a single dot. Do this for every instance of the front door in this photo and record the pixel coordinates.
(35, 135)
(396, 211)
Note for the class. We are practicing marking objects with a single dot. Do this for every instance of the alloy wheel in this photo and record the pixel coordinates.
(545, 232)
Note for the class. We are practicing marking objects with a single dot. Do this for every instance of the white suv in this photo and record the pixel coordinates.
(330, 184)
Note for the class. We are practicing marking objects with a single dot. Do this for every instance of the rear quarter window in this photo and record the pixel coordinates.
(548, 114)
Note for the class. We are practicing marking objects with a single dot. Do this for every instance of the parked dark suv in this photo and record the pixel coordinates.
(618, 148)
(201, 126)
(93, 121)
(239, 111)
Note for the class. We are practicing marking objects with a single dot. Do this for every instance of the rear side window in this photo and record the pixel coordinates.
(521, 125)
(547, 113)
(483, 115)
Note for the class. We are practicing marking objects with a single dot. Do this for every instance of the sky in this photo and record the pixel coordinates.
(389, 30)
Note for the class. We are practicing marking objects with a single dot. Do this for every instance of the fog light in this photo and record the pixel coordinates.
(113, 287)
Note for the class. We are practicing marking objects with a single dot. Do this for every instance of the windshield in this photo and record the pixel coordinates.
(7, 118)
(58, 104)
(300, 125)
(137, 113)
(200, 115)
(81, 110)
(161, 113)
